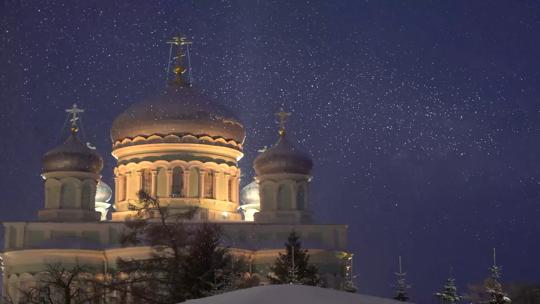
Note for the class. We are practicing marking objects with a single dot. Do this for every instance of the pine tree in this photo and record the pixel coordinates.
(401, 285)
(449, 294)
(494, 287)
(187, 261)
(293, 267)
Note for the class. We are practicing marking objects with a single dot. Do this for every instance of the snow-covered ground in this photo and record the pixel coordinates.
(291, 294)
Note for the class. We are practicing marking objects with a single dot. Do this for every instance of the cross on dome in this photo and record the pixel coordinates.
(282, 116)
(74, 112)
(178, 70)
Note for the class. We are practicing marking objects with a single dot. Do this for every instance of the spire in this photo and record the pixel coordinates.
(179, 69)
(401, 285)
(74, 112)
(282, 116)
(495, 270)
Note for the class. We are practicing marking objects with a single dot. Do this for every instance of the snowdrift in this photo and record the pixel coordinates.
(291, 294)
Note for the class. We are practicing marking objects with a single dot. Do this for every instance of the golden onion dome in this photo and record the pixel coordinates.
(72, 155)
(283, 157)
(180, 111)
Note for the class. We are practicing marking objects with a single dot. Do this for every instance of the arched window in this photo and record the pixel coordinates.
(68, 195)
(194, 182)
(177, 182)
(231, 189)
(122, 185)
(147, 181)
(301, 198)
(209, 184)
(284, 197)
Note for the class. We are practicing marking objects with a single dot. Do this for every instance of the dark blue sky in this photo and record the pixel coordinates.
(422, 117)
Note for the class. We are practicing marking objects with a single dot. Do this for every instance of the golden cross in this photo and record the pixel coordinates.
(74, 113)
(282, 115)
(179, 42)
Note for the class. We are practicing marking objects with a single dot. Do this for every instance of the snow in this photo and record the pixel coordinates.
(291, 294)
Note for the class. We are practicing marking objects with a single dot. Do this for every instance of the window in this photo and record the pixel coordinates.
(177, 182)
(122, 185)
(300, 198)
(231, 189)
(194, 182)
(147, 181)
(68, 196)
(209, 184)
(284, 197)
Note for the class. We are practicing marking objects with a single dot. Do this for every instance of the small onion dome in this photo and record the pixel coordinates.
(180, 111)
(103, 192)
(249, 195)
(283, 158)
(72, 155)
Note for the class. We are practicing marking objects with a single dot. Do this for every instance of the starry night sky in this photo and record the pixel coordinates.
(422, 117)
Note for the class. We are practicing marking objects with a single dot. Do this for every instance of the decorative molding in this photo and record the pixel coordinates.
(173, 138)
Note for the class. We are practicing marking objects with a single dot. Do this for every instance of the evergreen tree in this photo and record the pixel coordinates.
(293, 266)
(187, 261)
(493, 286)
(401, 285)
(449, 294)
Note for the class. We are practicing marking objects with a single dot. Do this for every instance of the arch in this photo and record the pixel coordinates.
(301, 198)
(161, 180)
(177, 182)
(68, 195)
(194, 182)
(209, 184)
(284, 197)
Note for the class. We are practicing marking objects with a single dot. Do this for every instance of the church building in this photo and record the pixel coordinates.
(183, 148)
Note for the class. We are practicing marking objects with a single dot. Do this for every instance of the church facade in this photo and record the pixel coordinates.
(182, 148)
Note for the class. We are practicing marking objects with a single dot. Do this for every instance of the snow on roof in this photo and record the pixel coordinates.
(291, 294)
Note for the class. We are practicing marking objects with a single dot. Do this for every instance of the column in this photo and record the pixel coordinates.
(185, 183)
(227, 188)
(201, 183)
(168, 188)
(153, 191)
(116, 188)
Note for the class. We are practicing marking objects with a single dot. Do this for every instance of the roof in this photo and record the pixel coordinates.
(291, 294)
(179, 111)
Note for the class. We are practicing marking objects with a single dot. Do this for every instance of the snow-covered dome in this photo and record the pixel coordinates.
(249, 195)
(72, 155)
(180, 111)
(103, 192)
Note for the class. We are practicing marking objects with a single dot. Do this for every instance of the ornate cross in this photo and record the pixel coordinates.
(282, 116)
(74, 113)
(179, 69)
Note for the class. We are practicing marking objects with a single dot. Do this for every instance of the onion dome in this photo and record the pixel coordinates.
(283, 157)
(103, 192)
(72, 155)
(249, 195)
(180, 111)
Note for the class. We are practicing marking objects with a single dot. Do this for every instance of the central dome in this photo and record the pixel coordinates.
(179, 111)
